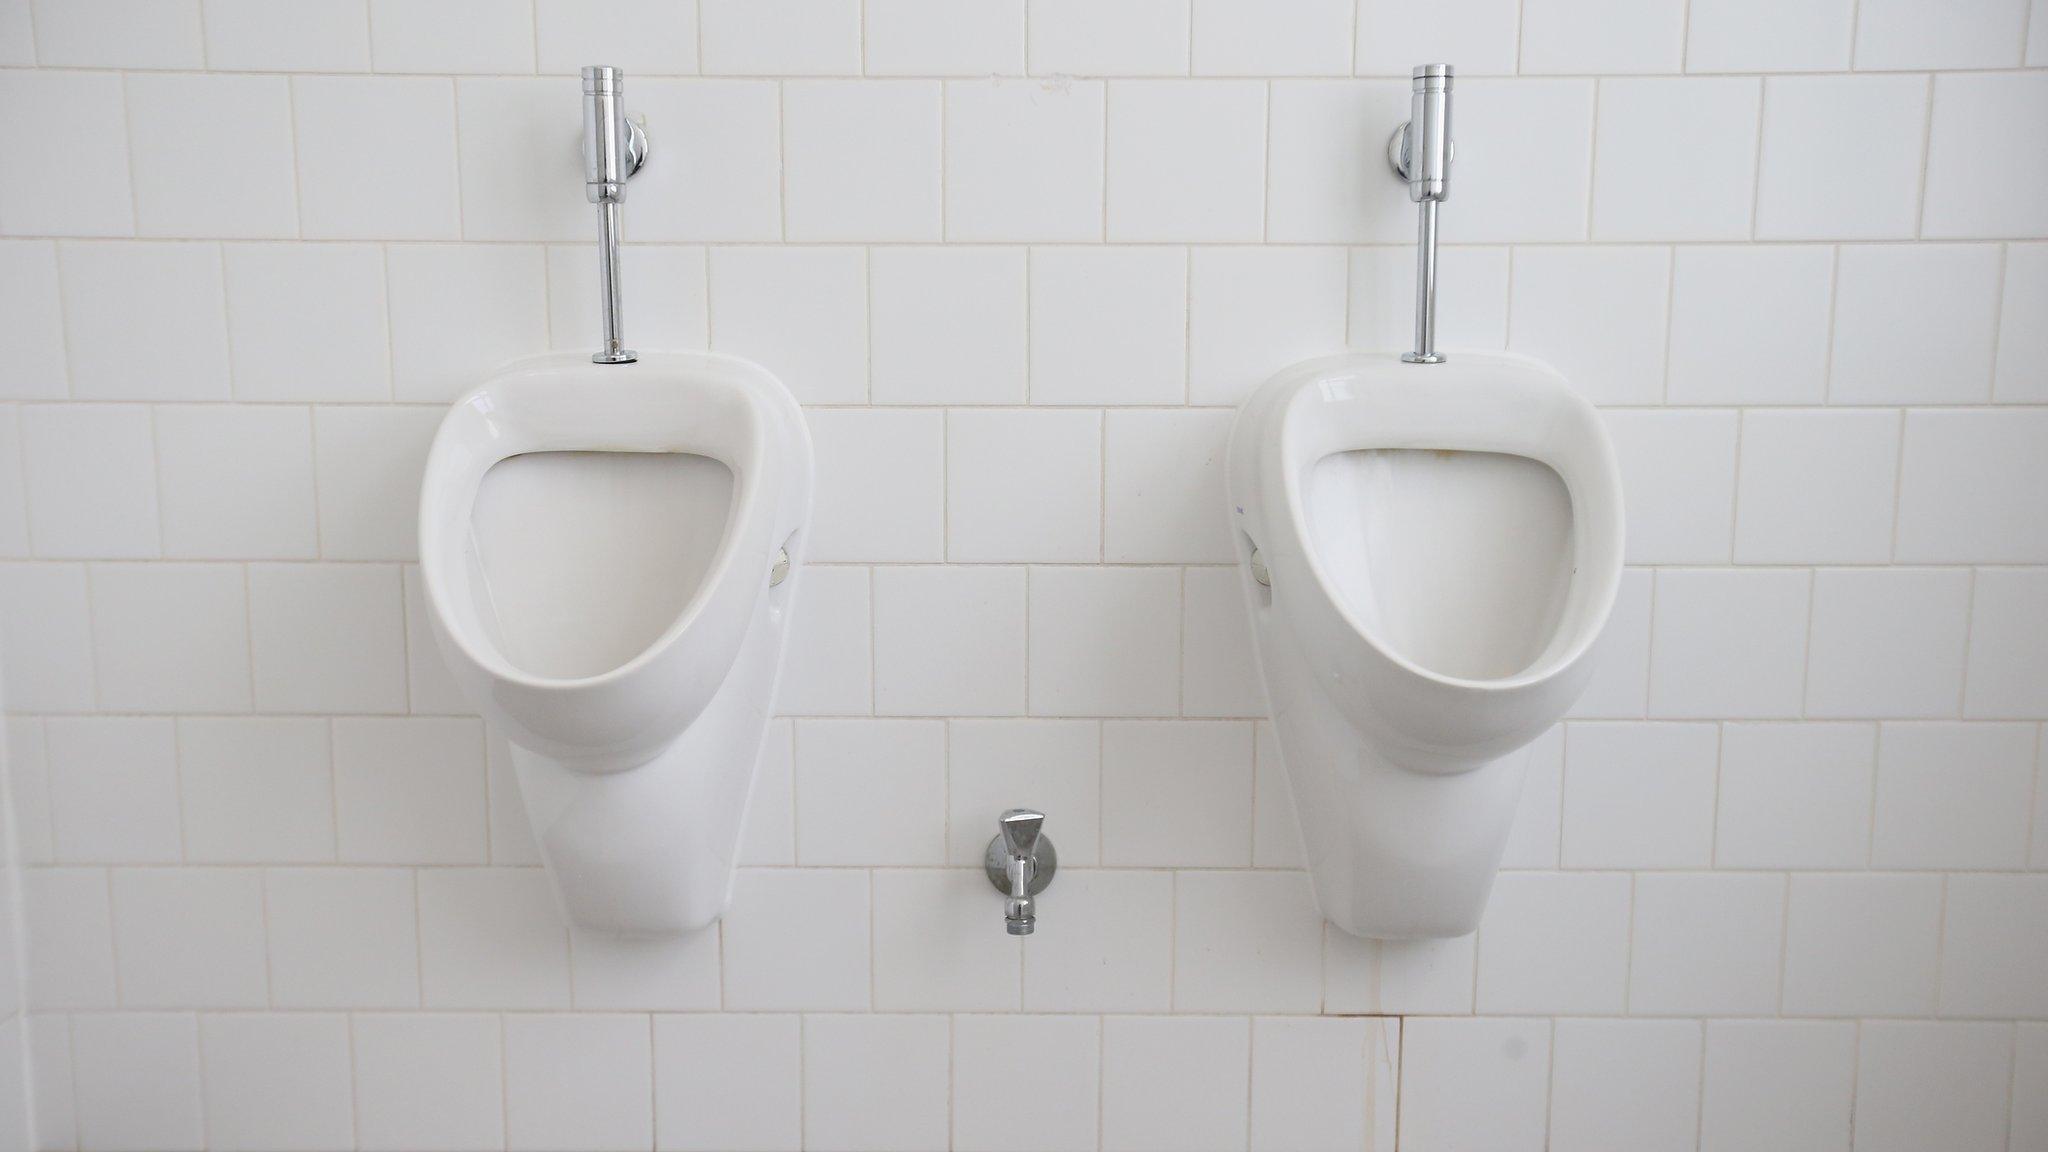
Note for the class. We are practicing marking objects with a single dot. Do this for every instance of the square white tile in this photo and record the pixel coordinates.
(861, 159)
(1104, 641)
(171, 637)
(255, 791)
(828, 662)
(1706, 945)
(1777, 1086)
(578, 1081)
(797, 940)
(89, 477)
(1246, 942)
(136, 1082)
(937, 947)
(1109, 325)
(1324, 1083)
(1247, 38)
(370, 462)
(459, 311)
(947, 324)
(428, 1080)
(1841, 157)
(1321, 186)
(328, 637)
(801, 313)
(1597, 315)
(1528, 173)
(1024, 160)
(307, 321)
(1639, 795)
(1979, 177)
(1958, 472)
(728, 1081)
(949, 641)
(1993, 926)
(1555, 943)
(1023, 485)
(1914, 324)
(941, 38)
(1888, 642)
(376, 157)
(60, 122)
(316, 36)
(1625, 1084)
(1675, 159)
(780, 37)
(877, 1083)
(410, 790)
(1729, 643)
(1749, 324)
(1806, 36)
(145, 321)
(2007, 676)
(1862, 945)
(870, 792)
(880, 489)
(1481, 35)
(212, 155)
(452, 36)
(1679, 471)
(235, 482)
(190, 938)
(1817, 487)
(1186, 159)
(1106, 947)
(1582, 36)
(1053, 1061)
(277, 1081)
(732, 129)
(492, 938)
(1952, 795)
(1177, 793)
(1175, 1083)
(1054, 766)
(342, 937)
(1475, 1084)
(1108, 37)
(1922, 1084)
(1795, 795)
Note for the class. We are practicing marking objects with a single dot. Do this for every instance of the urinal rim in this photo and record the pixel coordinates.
(1282, 453)
(768, 402)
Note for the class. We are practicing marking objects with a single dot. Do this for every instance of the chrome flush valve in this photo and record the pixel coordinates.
(1420, 153)
(1020, 863)
(614, 148)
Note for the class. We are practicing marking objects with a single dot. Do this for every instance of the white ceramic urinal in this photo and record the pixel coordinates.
(610, 554)
(1430, 553)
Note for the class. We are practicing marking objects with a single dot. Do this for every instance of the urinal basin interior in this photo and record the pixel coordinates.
(1458, 562)
(582, 560)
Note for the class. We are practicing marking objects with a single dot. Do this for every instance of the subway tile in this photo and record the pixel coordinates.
(312, 36)
(2021, 372)
(728, 1081)
(1109, 325)
(1054, 766)
(1620, 684)
(1639, 795)
(1105, 946)
(1471, 299)
(1985, 167)
(1914, 324)
(90, 478)
(145, 321)
(651, 37)
(1817, 487)
(512, 190)
(1806, 35)
(1481, 35)
(307, 322)
(949, 641)
(1177, 793)
(1246, 942)
(1899, 34)
(428, 1080)
(1253, 311)
(1728, 644)
(136, 1080)
(1187, 159)
(1247, 38)
(1994, 928)
(370, 461)
(410, 790)
(877, 1083)
(1219, 674)
(1108, 37)
(235, 482)
(171, 637)
(1777, 1086)
(32, 357)
(342, 937)
(212, 155)
(870, 792)
(1675, 159)
(1024, 485)
(668, 286)
(828, 666)
(69, 957)
(1597, 315)
(732, 189)
(1398, 977)
(1928, 1085)
(943, 38)
(459, 311)
(947, 325)
(1952, 795)
(1795, 795)
(277, 1081)
(377, 158)
(1165, 490)
(1322, 187)
(1052, 1061)
(119, 34)
(1024, 160)
(491, 938)
(1527, 174)
(1625, 1084)
(1960, 472)
(1582, 36)
(797, 940)
(61, 122)
(936, 944)
(1324, 1083)
(1475, 1084)
(255, 790)
(452, 36)
(2007, 676)
(1534, 839)
(1706, 945)
(861, 159)
(612, 971)
(801, 313)
(1554, 943)
(1104, 641)
(1862, 945)
(1888, 642)
(190, 938)
(1176, 1083)
(46, 648)
(880, 488)
(327, 637)
(578, 1082)
(1679, 470)
(780, 37)
(1749, 324)
(1840, 157)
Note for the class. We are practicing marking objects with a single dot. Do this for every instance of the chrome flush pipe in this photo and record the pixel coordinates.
(1421, 153)
(614, 148)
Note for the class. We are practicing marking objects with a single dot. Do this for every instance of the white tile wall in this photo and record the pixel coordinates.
(1021, 258)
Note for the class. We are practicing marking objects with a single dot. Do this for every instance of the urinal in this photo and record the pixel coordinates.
(1429, 552)
(610, 553)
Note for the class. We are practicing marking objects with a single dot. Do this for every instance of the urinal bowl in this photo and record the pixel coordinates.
(1438, 551)
(610, 556)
